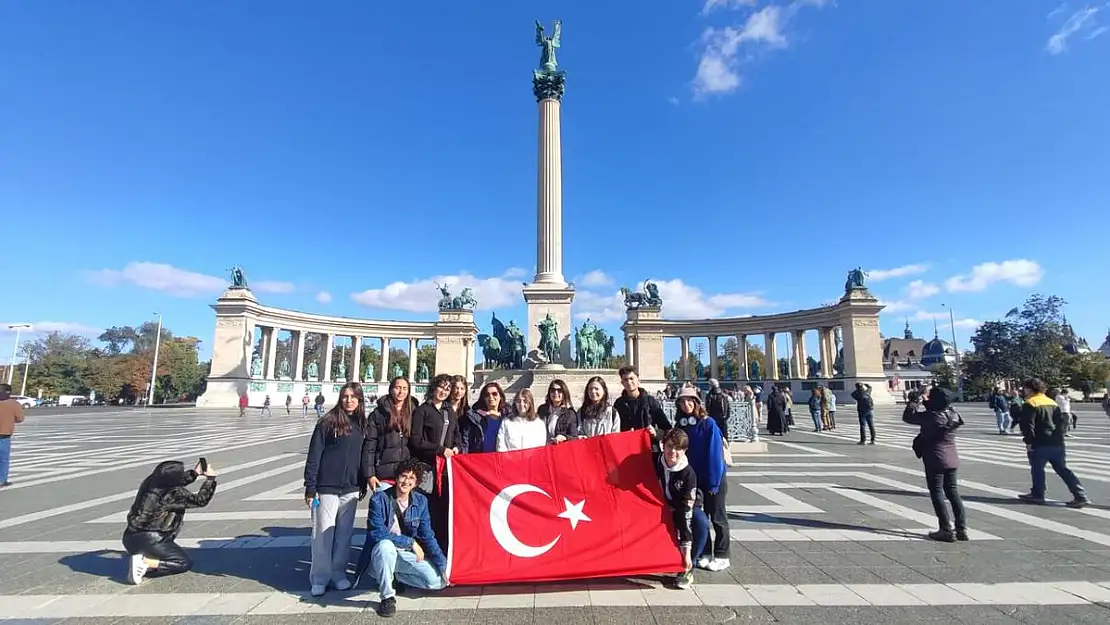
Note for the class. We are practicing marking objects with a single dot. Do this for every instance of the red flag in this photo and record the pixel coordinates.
(582, 509)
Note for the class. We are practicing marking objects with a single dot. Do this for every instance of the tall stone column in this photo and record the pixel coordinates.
(628, 349)
(271, 354)
(770, 357)
(800, 353)
(412, 360)
(685, 358)
(299, 339)
(325, 375)
(549, 294)
(828, 352)
(714, 371)
(356, 362)
(742, 359)
(383, 366)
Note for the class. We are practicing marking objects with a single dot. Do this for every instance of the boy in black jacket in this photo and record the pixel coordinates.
(680, 490)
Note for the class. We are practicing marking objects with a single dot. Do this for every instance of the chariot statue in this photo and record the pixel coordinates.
(444, 296)
(465, 300)
(238, 278)
(649, 298)
(855, 280)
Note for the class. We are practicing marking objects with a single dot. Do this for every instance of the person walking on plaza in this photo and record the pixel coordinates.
(558, 413)
(776, 412)
(1001, 407)
(288, 405)
(156, 515)
(265, 409)
(717, 405)
(1042, 429)
(865, 409)
(401, 547)
(815, 409)
(305, 401)
(680, 491)
(1064, 402)
(707, 456)
(935, 444)
(11, 413)
(389, 427)
(319, 402)
(244, 403)
(829, 398)
(334, 480)
(597, 417)
(1015, 409)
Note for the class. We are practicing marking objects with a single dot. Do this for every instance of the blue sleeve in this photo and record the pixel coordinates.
(716, 456)
(377, 524)
(312, 461)
(427, 539)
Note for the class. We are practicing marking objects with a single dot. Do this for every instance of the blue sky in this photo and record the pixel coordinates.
(746, 154)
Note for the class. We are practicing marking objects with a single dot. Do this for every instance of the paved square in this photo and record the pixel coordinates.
(822, 529)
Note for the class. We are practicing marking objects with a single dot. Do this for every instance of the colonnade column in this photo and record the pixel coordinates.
(742, 357)
(685, 358)
(412, 360)
(800, 353)
(299, 339)
(636, 351)
(628, 349)
(468, 345)
(770, 356)
(356, 362)
(713, 368)
(325, 375)
(271, 354)
(823, 336)
(383, 374)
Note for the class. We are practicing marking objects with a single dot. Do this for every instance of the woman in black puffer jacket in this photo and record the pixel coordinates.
(389, 429)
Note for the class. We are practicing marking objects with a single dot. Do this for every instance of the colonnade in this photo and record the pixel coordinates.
(267, 347)
(826, 356)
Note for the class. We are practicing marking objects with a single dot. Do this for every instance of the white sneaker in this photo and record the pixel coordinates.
(136, 569)
(343, 584)
(704, 562)
(718, 564)
(318, 590)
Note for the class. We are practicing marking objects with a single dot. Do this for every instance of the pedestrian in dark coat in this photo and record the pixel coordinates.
(776, 412)
(935, 444)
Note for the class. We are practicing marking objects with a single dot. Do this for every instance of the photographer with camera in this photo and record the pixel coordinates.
(156, 516)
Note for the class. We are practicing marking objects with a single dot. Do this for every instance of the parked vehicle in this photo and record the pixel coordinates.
(26, 402)
(73, 400)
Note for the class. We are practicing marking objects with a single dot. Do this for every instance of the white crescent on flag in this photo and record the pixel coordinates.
(499, 522)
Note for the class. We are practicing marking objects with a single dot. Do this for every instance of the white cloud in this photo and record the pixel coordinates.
(719, 64)
(963, 324)
(272, 286)
(894, 306)
(423, 296)
(323, 297)
(924, 315)
(680, 301)
(174, 280)
(1084, 21)
(919, 289)
(1020, 272)
(594, 278)
(878, 275)
(46, 327)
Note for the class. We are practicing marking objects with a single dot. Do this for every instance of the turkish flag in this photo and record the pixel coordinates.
(582, 509)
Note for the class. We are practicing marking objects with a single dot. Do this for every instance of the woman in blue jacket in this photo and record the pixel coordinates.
(707, 457)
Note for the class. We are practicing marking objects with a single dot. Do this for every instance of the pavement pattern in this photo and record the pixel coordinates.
(822, 529)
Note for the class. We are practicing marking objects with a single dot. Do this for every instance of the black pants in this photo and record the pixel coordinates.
(171, 558)
(718, 517)
(866, 419)
(942, 485)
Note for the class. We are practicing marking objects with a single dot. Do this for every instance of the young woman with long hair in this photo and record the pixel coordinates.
(388, 432)
(478, 428)
(458, 399)
(707, 456)
(434, 435)
(597, 417)
(558, 413)
(522, 428)
(334, 481)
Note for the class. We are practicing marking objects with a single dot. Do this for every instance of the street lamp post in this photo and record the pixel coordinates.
(956, 349)
(154, 367)
(18, 327)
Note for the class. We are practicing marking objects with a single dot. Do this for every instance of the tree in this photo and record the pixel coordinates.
(370, 356)
(693, 362)
(426, 354)
(730, 353)
(1028, 342)
(398, 357)
(945, 375)
(1087, 373)
(118, 339)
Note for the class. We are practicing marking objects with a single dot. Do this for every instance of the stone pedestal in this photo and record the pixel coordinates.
(455, 342)
(555, 300)
(231, 349)
(647, 342)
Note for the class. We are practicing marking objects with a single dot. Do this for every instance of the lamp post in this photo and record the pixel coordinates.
(18, 327)
(154, 367)
(956, 349)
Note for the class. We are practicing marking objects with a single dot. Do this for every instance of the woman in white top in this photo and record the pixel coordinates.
(597, 416)
(524, 429)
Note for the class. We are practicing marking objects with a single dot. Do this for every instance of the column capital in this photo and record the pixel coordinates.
(549, 85)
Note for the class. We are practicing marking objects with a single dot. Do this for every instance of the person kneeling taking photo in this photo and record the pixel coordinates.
(400, 541)
(155, 519)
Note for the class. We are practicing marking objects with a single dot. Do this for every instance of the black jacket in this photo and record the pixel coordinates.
(864, 403)
(427, 429)
(472, 432)
(639, 413)
(680, 491)
(566, 421)
(162, 499)
(336, 465)
(388, 448)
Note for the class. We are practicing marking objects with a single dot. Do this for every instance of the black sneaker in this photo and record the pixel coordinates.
(1078, 502)
(1031, 498)
(942, 536)
(961, 535)
(388, 607)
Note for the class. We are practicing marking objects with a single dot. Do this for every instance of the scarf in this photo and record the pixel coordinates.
(682, 463)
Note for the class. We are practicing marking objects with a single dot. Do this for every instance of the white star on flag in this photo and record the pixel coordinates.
(574, 513)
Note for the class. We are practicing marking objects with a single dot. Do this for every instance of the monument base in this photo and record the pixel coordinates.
(555, 300)
(538, 379)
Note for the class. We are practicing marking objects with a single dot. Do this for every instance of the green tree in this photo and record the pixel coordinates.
(56, 363)
(945, 375)
(370, 356)
(692, 361)
(398, 357)
(730, 353)
(426, 354)
(1028, 342)
(1087, 373)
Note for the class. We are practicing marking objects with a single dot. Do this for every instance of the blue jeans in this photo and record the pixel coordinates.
(699, 524)
(389, 563)
(1055, 456)
(816, 416)
(1002, 418)
(5, 458)
(866, 420)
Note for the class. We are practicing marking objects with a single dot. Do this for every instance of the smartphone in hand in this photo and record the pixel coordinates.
(203, 465)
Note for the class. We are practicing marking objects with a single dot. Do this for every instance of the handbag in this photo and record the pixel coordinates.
(918, 445)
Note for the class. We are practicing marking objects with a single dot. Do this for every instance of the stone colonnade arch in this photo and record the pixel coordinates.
(856, 316)
(239, 315)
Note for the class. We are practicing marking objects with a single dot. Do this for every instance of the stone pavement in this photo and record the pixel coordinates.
(822, 529)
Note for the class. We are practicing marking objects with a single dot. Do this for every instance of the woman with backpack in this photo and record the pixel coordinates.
(935, 444)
